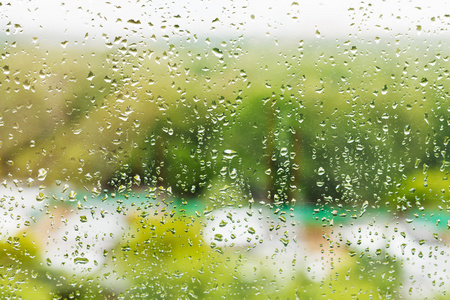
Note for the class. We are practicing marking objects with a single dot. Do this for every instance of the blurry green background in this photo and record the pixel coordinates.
(334, 125)
(310, 121)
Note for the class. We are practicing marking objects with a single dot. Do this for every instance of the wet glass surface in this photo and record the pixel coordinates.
(213, 149)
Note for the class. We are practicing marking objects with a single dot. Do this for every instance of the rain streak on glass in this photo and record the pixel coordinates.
(208, 150)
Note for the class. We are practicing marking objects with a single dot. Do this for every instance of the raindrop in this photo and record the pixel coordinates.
(424, 82)
(90, 76)
(42, 174)
(229, 154)
(321, 171)
(72, 196)
(217, 52)
(80, 260)
(40, 197)
(284, 241)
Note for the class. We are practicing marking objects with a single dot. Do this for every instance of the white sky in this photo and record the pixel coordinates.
(72, 19)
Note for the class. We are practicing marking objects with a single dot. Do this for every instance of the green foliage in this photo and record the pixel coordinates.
(20, 276)
(167, 258)
(363, 123)
(421, 189)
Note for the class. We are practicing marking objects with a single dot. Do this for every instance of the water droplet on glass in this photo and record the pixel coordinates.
(318, 34)
(229, 154)
(217, 52)
(40, 197)
(424, 82)
(80, 260)
(137, 179)
(284, 241)
(321, 171)
(223, 171)
(72, 196)
(90, 76)
(42, 174)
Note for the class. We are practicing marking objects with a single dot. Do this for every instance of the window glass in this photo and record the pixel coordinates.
(224, 149)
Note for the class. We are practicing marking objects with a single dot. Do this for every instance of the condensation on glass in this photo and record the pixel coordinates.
(214, 149)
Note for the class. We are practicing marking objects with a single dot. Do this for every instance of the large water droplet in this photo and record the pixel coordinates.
(80, 260)
(42, 174)
(233, 173)
(90, 76)
(229, 154)
(424, 81)
(321, 171)
(40, 197)
(217, 52)
(72, 196)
